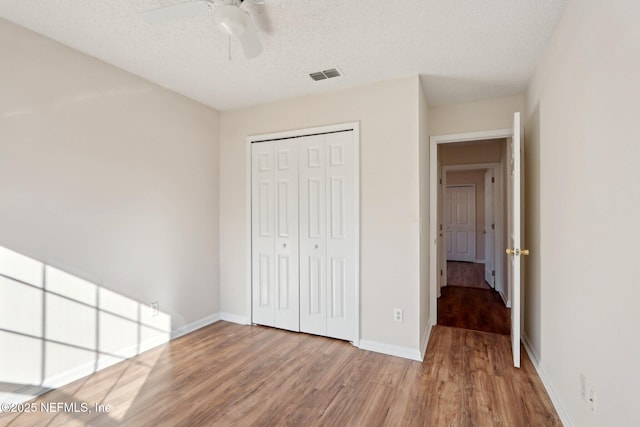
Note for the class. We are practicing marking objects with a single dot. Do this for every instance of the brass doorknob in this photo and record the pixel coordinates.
(517, 252)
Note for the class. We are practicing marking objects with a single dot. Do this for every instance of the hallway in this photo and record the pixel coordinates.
(468, 302)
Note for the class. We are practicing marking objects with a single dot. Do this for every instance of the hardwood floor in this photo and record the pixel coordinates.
(472, 308)
(468, 302)
(467, 274)
(227, 374)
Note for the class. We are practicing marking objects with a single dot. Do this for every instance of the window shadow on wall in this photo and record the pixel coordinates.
(56, 328)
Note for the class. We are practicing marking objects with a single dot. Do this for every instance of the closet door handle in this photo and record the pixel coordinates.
(315, 246)
(284, 245)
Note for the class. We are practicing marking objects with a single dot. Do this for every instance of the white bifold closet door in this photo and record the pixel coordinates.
(327, 235)
(304, 234)
(274, 223)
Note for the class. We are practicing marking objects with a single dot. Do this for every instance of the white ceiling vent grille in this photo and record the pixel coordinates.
(326, 74)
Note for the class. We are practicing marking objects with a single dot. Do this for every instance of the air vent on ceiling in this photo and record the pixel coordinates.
(326, 74)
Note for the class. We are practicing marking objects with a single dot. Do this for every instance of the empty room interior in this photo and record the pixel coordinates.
(277, 212)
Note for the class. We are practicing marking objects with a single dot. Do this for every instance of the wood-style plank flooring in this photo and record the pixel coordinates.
(232, 375)
(472, 308)
(468, 302)
(467, 274)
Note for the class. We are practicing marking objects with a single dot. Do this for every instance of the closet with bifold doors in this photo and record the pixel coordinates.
(304, 233)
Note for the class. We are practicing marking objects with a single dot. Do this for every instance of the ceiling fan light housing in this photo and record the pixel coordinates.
(231, 20)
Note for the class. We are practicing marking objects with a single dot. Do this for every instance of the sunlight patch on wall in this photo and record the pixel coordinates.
(56, 327)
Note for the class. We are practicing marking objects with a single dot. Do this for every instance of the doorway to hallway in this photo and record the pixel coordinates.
(510, 153)
(472, 192)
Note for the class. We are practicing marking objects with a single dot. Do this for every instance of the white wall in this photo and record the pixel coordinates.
(108, 177)
(583, 206)
(389, 197)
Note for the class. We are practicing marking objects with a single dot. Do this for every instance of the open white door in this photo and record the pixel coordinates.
(442, 246)
(489, 229)
(514, 223)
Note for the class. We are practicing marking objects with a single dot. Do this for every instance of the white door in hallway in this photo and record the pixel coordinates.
(514, 224)
(460, 223)
(489, 228)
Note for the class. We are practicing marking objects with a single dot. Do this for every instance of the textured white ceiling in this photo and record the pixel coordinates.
(464, 50)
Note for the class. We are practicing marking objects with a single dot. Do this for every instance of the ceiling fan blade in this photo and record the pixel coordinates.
(250, 41)
(181, 10)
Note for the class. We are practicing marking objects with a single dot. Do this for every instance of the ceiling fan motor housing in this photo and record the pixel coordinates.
(231, 19)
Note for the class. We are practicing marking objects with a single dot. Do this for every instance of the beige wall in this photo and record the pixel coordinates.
(582, 293)
(474, 116)
(476, 178)
(108, 177)
(423, 122)
(389, 197)
(468, 153)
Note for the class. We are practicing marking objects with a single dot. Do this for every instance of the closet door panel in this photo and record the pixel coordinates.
(304, 232)
(312, 208)
(263, 230)
(287, 312)
(340, 239)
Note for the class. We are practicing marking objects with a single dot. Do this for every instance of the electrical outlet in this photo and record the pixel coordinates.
(583, 387)
(397, 314)
(154, 308)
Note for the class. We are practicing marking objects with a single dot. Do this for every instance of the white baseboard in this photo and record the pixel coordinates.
(560, 409)
(504, 299)
(28, 392)
(205, 321)
(103, 361)
(64, 378)
(391, 350)
(425, 340)
(480, 261)
(234, 318)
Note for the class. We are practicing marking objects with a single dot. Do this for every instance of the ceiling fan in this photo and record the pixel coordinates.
(231, 19)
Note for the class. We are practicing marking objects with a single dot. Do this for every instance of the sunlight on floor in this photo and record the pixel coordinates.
(56, 328)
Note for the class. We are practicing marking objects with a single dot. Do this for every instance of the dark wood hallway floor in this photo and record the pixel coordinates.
(468, 302)
(467, 274)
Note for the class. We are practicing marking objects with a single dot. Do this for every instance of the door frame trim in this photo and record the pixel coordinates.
(355, 127)
(434, 141)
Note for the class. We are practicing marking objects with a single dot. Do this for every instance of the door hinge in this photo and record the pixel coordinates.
(493, 273)
(493, 226)
(440, 227)
(441, 272)
(440, 181)
(493, 180)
